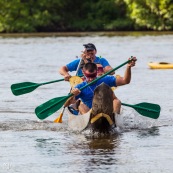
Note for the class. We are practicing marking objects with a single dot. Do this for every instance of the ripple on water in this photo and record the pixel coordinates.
(25, 125)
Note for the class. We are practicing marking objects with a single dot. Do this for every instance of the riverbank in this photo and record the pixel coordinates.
(84, 34)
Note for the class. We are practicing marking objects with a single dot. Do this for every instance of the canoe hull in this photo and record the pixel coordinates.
(78, 122)
(160, 65)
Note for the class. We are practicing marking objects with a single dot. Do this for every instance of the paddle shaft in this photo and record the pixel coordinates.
(37, 85)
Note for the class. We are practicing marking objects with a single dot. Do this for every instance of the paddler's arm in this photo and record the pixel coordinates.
(127, 75)
(108, 68)
(71, 100)
(64, 71)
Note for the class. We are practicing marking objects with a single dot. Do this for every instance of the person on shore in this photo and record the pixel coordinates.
(86, 95)
(88, 55)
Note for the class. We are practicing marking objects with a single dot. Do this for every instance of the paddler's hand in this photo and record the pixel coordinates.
(133, 62)
(67, 77)
(75, 91)
(69, 101)
(84, 54)
(86, 57)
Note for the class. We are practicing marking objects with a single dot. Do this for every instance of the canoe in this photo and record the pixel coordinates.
(100, 118)
(160, 65)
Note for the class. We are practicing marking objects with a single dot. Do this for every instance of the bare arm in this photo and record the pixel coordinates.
(127, 75)
(108, 68)
(64, 71)
(70, 101)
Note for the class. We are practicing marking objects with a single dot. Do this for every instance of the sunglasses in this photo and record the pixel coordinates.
(90, 75)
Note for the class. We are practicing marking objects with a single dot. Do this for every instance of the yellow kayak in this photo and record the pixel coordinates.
(160, 65)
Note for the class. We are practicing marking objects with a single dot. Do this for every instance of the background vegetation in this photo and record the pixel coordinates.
(85, 15)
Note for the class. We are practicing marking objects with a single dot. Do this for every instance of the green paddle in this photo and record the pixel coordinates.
(27, 87)
(53, 105)
(146, 109)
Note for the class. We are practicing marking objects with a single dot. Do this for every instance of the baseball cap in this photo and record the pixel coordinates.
(89, 46)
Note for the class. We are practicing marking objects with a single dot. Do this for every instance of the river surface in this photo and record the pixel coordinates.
(28, 144)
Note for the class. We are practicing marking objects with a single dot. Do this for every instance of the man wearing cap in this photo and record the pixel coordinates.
(88, 55)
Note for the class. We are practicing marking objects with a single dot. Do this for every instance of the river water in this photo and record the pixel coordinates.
(28, 144)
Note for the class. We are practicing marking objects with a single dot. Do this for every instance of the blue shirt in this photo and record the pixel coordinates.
(72, 66)
(87, 93)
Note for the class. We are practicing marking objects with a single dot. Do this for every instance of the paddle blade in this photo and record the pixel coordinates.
(59, 119)
(50, 107)
(23, 88)
(146, 109)
(74, 80)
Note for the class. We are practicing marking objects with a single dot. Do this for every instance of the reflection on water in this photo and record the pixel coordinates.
(106, 142)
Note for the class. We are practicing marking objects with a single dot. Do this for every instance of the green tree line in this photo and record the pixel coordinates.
(85, 15)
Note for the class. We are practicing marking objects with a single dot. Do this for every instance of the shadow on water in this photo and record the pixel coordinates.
(154, 131)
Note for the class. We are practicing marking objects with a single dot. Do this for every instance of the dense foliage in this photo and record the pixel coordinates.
(151, 14)
(85, 15)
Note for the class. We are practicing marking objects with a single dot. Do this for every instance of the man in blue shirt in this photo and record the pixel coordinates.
(86, 95)
(88, 55)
